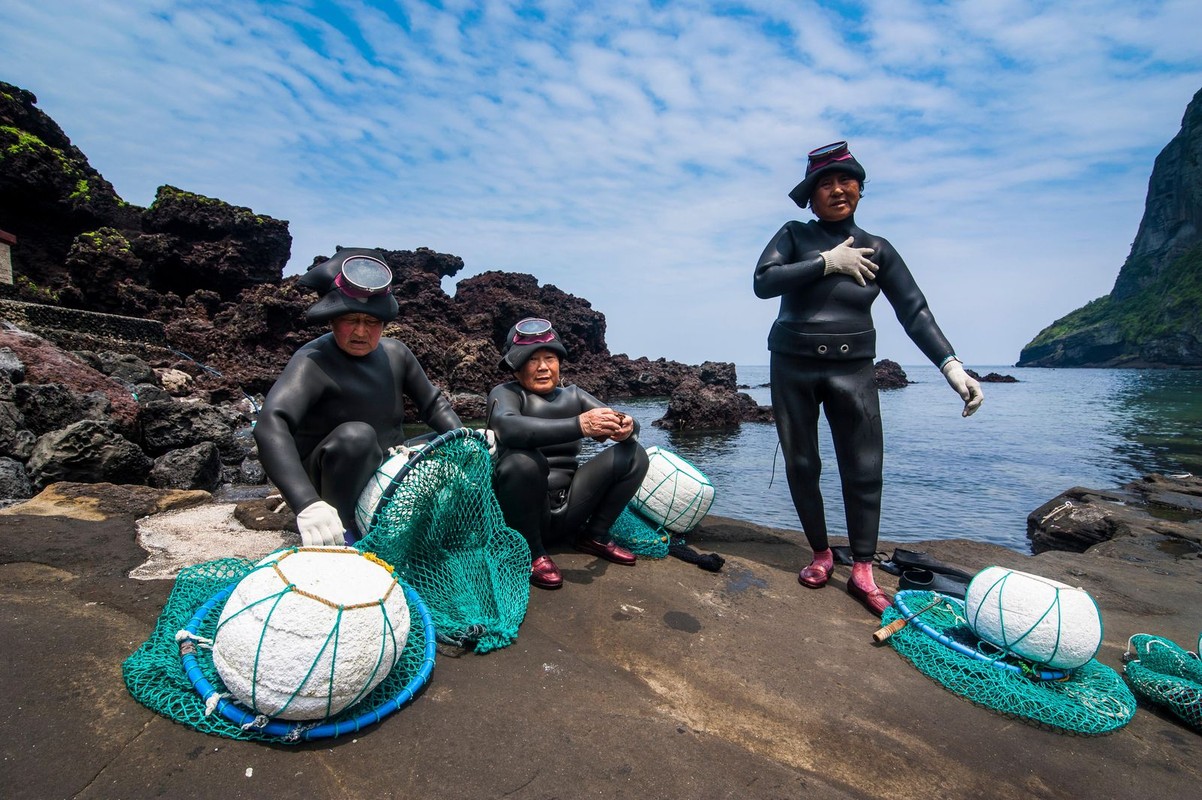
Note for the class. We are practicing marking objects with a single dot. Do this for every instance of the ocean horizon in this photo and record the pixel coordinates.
(950, 477)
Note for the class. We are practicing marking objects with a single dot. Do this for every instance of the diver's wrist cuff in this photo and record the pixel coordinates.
(948, 360)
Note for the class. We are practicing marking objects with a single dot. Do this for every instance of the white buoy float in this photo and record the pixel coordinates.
(310, 631)
(378, 491)
(1039, 619)
(674, 494)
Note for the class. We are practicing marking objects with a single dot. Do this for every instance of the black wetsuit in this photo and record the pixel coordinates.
(543, 491)
(823, 344)
(331, 416)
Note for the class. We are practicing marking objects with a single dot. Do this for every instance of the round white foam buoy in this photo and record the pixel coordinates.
(674, 493)
(1037, 618)
(310, 631)
(378, 491)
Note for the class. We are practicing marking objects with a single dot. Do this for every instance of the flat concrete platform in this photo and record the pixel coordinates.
(654, 681)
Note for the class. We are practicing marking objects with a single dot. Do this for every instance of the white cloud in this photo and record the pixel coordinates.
(641, 157)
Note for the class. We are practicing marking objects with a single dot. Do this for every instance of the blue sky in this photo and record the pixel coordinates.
(640, 154)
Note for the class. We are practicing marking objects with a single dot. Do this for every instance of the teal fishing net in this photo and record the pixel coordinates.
(157, 677)
(1090, 700)
(437, 521)
(1166, 675)
(640, 536)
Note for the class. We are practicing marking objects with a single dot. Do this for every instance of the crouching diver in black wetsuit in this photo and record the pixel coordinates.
(827, 274)
(339, 406)
(543, 491)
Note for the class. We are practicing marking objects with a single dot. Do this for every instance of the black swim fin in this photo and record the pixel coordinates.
(903, 560)
(928, 581)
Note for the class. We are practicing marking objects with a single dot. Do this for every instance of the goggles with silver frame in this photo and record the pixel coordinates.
(533, 330)
(363, 276)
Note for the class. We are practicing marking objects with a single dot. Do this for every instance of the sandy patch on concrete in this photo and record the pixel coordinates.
(177, 539)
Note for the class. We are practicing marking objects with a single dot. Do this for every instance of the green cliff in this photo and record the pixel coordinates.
(1151, 317)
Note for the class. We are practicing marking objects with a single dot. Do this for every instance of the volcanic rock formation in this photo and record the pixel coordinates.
(1150, 318)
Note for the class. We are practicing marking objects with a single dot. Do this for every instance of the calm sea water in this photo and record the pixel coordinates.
(977, 478)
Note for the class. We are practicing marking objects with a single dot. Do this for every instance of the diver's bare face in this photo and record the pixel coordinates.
(835, 197)
(540, 373)
(357, 334)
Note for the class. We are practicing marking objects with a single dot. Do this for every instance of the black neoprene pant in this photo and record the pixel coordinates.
(599, 490)
(847, 392)
(342, 464)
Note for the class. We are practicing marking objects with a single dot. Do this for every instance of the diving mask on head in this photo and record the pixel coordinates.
(363, 276)
(533, 330)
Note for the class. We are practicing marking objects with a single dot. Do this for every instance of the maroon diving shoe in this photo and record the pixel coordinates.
(544, 574)
(609, 551)
(876, 600)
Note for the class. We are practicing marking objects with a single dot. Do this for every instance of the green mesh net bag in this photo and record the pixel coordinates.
(640, 536)
(432, 514)
(172, 673)
(1166, 675)
(1089, 700)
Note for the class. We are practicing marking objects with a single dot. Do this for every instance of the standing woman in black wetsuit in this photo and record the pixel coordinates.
(542, 489)
(827, 273)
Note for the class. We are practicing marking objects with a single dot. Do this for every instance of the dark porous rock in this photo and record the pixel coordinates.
(644, 377)
(125, 367)
(174, 424)
(196, 467)
(464, 362)
(14, 480)
(46, 363)
(1156, 516)
(49, 406)
(149, 392)
(16, 440)
(11, 366)
(469, 405)
(889, 375)
(108, 274)
(265, 514)
(213, 245)
(90, 451)
(991, 377)
(751, 411)
(250, 472)
(696, 406)
(48, 194)
(718, 373)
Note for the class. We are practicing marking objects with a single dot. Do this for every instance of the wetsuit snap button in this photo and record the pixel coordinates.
(821, 348)
(843, 348)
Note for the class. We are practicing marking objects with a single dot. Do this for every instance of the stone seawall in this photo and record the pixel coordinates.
(74, 329)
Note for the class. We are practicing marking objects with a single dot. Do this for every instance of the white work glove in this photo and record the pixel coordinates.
(851, 261)
(490, 437)
(964, 385)
(320, 525)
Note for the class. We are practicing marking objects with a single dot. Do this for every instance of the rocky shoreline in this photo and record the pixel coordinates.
(661, 680)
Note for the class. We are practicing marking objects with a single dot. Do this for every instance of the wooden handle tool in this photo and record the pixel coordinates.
(881, 634)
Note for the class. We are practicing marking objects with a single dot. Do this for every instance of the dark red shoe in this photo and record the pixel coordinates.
(875, 600)
(815, 575)
(544, 574)
(610, 551)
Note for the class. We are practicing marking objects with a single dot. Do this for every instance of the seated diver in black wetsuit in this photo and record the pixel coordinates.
(543, 491)
(338, 406)
(827, 274)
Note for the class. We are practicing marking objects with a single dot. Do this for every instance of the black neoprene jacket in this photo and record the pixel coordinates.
(322, 387)
(792, 268)
(525, 420)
